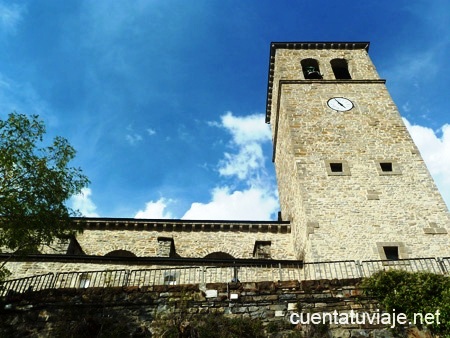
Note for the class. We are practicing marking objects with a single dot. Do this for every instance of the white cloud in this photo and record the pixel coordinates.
(257, 199)
(251, 204)
(10, 17)
(155, 210)
(133, 139)
(248, 133)
(435, 151)
(256, 202)
(250, 158)
(83, 203)
(246, 129)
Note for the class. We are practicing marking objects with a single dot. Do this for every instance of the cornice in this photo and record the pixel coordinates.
(179, 225)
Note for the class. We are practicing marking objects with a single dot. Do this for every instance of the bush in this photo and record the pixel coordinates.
(411, 293)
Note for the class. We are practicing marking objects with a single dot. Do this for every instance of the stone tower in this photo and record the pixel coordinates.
(351, 180)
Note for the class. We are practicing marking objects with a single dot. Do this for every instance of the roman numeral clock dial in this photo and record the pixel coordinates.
(340, 104)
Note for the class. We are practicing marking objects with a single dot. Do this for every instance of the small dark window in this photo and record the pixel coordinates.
(340, 69)
(336, 167)
(386, 166)
(391, 252)
(262, 249)
(311, 70)
(166, 247)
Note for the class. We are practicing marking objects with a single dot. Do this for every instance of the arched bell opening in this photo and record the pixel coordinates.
(340, 69)
(311, 70)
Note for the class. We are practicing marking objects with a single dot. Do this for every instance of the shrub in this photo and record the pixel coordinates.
(412, 293)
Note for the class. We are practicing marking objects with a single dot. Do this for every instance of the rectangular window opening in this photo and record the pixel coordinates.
(262, 249)
(391, 253)
(336, 167)
(386, 166)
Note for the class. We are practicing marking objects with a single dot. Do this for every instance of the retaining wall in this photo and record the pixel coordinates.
(134, 311)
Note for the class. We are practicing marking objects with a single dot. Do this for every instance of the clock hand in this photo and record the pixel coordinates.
(340, 103)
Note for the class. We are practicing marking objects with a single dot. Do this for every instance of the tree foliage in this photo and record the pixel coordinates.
(413, 293)
(35, 183)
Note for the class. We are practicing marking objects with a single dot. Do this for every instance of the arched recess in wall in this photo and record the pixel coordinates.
(120, 253)
(340, 69)
(311, 70)
(219, 255)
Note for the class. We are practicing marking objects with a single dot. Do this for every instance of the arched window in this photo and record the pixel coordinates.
(219, 255)
(311, 70)
(120, 253)
(340, 69)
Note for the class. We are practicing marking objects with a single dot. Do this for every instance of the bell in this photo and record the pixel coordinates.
(312, 73)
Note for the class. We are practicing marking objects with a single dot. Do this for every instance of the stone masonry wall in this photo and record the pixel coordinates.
(192, 244)
(139, 311)
(156, 238)
(357, 213)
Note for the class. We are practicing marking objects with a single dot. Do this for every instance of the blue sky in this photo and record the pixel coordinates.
(164, 100)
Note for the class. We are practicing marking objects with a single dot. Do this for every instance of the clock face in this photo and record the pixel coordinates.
(340, 104)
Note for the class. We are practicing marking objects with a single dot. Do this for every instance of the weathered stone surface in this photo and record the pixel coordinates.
(40, 312)
(366, 206)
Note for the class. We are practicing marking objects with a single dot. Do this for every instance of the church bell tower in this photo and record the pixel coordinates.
(351, 180)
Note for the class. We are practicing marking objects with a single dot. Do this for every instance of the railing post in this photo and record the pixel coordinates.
(51, 282)
(235, 274)
(441, 265)
(280, 272)
(202, 276)
(127, 277)
(359, 269)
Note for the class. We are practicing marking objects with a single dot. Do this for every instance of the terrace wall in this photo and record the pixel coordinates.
(140, 311)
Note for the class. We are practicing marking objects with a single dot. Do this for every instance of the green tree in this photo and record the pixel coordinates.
(413, 293)
(35, 183)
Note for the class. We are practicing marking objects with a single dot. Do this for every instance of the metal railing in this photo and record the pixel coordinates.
(445, 264)
(27, 284)
(432, 265)
(85, 279)
(330, 270)
(221, 273)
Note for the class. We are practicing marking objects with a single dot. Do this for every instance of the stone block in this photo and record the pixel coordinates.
(234, 296)
(292, 306)
(287, 296)
(277, 307)
(211, 293)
